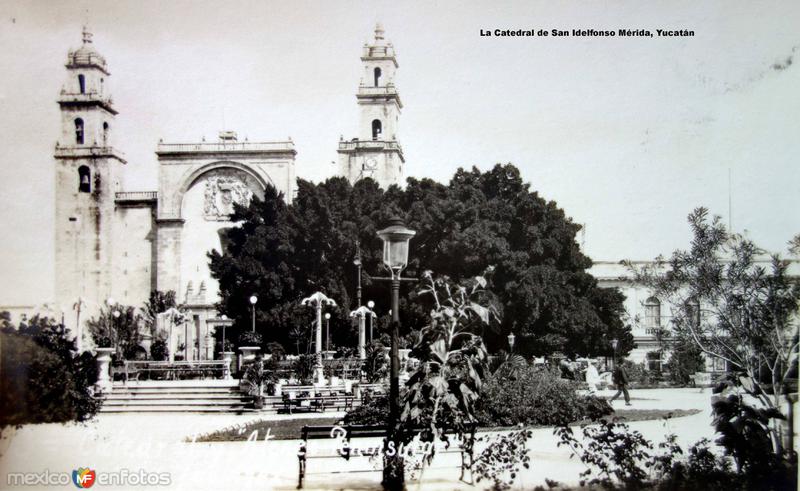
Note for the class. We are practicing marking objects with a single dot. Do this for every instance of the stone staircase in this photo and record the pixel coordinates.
(193, 396)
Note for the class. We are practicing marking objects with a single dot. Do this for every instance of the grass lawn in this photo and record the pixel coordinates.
(289, 429)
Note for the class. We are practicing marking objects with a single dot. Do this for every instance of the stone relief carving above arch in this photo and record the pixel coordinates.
(223, 188)
(255, 182)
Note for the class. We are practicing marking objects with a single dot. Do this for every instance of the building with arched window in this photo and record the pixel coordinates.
(652, 319)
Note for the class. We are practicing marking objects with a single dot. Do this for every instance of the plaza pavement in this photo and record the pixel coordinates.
(156, 443)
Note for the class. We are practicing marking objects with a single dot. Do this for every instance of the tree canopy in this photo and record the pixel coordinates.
(282, 253)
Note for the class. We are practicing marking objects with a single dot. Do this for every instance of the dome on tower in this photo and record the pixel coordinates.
(86, 55)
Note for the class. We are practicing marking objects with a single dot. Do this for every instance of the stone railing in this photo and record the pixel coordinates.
(88, 151)
(91, 96)
(371, 90)
(283, 146)
(369, 144)
(378, 51)
(136, 196)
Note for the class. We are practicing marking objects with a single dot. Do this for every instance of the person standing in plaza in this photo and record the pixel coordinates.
(592, 377)
(620, 378)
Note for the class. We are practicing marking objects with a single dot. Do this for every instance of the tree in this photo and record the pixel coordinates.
(748, 313)
(685, 360)
(42, 377)
(121, 331)
(441, 394)
(479, 219)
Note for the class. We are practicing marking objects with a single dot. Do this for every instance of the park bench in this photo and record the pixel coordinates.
(347, 433)
(173, 370)
(315, 401)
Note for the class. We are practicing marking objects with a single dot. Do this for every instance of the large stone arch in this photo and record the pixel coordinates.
(192, 175)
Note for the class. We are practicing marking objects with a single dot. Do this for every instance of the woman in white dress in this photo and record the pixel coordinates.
(592, 377)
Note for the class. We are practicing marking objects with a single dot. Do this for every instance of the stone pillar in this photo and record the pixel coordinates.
(362, 350)
(227, 357)
(319, 374)
(104, 382)
(168, 244)
(209, 346)
(147, 342)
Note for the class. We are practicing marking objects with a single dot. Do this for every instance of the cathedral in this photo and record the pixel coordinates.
(116, 246)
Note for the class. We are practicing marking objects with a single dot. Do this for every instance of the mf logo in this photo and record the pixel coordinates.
(83, 477)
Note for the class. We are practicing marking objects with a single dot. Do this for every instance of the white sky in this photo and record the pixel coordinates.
(626, 134)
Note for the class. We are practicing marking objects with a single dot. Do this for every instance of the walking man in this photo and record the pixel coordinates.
(620, 378)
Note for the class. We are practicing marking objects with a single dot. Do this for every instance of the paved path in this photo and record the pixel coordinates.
(156, 443)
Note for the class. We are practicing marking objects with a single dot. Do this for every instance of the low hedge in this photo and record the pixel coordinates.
(532, 396)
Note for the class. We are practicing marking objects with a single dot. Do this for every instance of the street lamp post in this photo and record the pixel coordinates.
(78, 329)
(511, 339)
(357, 262)
(371, 305)
(224, 323)
(317, 300)
(395, 239)
(116, 315)
(614, 344)
(327, 331)
(253, 300)
(361, 313)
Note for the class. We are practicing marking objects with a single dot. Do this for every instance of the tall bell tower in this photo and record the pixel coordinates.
(87, 169)
(375, 153)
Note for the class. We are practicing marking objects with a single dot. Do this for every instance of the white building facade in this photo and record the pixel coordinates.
(650, 317)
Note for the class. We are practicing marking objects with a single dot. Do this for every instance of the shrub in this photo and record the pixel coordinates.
(42, 379)
(686, 360)
(256, 377)
(250, 338)
(103, 342)
(617, 457)
(375, 366)
(345, 352)
(533, 397)
(120, 331)
(639, 376)
(304, 367)
(276, 350)
(228, 346)
(374, 410)
(159, 351)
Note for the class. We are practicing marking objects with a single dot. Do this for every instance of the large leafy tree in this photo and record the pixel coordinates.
(477, 220)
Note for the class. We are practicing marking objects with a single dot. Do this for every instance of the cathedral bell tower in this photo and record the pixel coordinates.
(87, 170)
(376, 153)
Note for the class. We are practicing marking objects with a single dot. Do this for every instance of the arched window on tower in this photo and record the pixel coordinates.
(82, 83)
(79, 131)
(376, 129)
(652, 315)
(377, 73)
(106, 130)
(84, 179)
